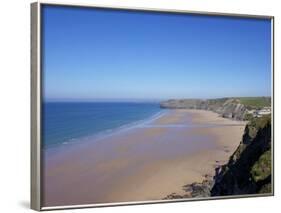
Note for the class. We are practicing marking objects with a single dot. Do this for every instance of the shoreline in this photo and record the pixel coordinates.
(107, 133)
(134, 165)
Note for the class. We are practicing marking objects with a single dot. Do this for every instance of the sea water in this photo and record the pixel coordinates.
(64, 122)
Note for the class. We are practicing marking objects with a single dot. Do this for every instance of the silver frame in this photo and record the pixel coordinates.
(36, 98)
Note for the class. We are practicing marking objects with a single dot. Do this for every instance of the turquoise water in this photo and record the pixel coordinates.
(63, 122)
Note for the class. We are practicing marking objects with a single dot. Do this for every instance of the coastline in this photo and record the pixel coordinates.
(135, 164)
(68, 122)
(105, 133)
(87, 140)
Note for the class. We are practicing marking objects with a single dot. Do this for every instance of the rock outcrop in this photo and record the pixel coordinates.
(249, 168)
(195, 189)
(226, 107)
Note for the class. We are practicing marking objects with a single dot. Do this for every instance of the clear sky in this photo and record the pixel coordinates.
(91, 54)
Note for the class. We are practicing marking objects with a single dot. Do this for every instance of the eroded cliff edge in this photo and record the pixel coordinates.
(248, 170)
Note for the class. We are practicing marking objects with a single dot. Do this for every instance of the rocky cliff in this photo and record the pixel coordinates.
(249, 168)
(226, 107)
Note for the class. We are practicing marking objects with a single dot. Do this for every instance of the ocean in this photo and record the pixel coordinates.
(64, 122)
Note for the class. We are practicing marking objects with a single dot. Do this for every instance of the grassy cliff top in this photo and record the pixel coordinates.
(248, 102)
(255, 102)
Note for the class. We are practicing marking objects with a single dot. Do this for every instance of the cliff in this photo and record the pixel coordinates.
(226, 107)
(249, 168)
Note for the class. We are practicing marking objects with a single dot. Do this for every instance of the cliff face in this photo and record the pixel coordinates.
(249, 168)
(226, 107)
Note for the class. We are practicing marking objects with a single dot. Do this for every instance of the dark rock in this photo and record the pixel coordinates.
(195, 189)
(236, 177)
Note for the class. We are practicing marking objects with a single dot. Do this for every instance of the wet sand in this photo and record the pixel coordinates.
(143, 163)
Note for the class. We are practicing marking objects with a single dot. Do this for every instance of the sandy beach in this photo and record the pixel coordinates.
(147, 162)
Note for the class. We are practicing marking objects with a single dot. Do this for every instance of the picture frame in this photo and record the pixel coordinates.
(37, 69)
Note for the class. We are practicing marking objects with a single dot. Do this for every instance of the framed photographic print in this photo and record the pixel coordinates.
(136, 105)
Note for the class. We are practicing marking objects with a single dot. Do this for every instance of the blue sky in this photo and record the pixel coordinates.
(94, 54)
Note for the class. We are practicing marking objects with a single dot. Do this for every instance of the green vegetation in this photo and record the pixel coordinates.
(255, 124)
(265, 189)
(255, 102)
(217, 101)
(261, 122)
(248, 117)
(248, 170)
(262, 168)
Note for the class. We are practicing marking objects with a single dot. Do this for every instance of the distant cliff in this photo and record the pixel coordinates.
(249, 168)
(226, 107)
